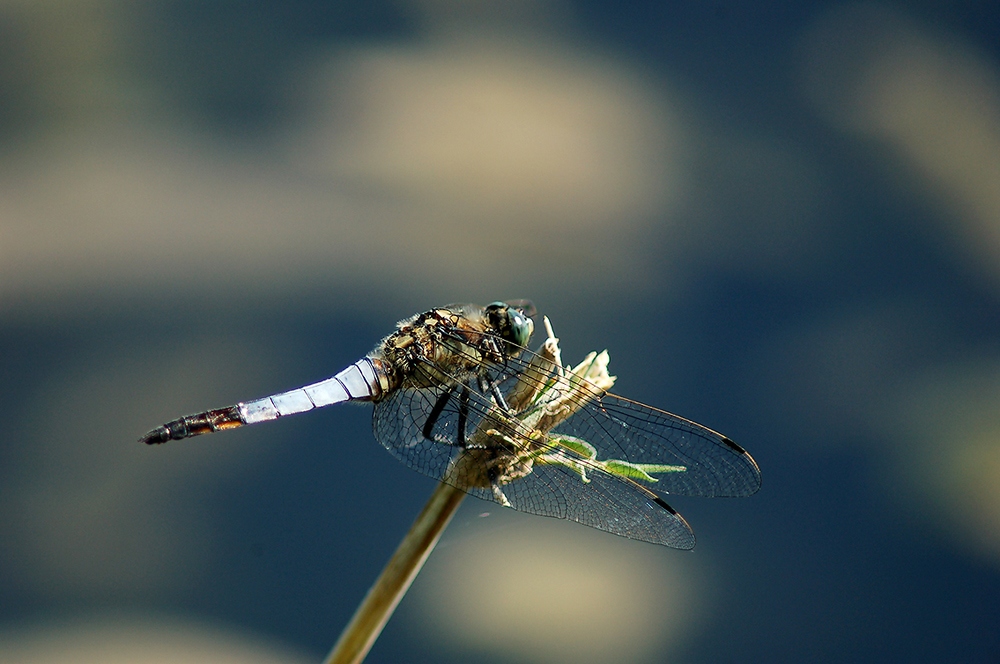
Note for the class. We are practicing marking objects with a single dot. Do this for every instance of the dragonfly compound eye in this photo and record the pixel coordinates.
(512, 325)
(520, 328)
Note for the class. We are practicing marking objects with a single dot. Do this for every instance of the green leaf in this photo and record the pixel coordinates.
(639, 471)
(577, 445)
(561, 459)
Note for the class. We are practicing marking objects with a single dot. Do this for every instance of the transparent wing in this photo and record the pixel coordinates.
(603, 501)
(399, 423)
(606, 502)
(637, 433)
(430, 428)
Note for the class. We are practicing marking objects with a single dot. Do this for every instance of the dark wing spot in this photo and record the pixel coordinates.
(733, 446)
(662, 503)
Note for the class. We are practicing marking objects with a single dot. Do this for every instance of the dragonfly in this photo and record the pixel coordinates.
(458, 396)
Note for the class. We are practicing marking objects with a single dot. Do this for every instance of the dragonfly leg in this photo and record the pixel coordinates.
(463, 416)
(487, 385)
(436, 411)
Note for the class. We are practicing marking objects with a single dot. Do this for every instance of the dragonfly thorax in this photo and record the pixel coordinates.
(439, 347)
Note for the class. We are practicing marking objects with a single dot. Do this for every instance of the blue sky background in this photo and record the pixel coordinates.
(782, 220)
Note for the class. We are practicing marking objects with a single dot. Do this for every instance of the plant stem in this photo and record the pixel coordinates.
(382, 598)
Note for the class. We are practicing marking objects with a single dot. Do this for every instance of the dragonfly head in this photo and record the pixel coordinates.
(511, 323)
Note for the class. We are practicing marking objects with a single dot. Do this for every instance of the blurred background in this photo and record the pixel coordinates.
(781, 218)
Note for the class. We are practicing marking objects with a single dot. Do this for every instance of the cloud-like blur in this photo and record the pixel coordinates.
(413, 166)
(788, 222)
(929, 107)
(929, 101)
(549, 591)
(947, 434)
(135, 640)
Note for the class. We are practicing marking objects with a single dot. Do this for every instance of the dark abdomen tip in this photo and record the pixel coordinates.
(156, 436)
